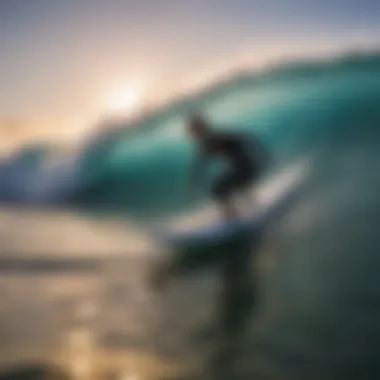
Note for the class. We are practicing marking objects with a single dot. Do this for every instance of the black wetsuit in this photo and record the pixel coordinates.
(243, 167)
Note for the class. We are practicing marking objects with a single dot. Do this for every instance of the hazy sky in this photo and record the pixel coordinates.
(63, 62)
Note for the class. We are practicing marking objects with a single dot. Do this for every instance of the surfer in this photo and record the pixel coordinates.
(244, 154)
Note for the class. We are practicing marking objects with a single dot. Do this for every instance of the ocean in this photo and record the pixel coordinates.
(74, 270)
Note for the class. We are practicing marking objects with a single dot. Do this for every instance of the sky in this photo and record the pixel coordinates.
(66, 63)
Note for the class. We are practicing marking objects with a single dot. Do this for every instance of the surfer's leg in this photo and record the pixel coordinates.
(246, 185)
(222, 193)
(248, 197)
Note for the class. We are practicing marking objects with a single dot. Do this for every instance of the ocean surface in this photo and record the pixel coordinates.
(77, 252)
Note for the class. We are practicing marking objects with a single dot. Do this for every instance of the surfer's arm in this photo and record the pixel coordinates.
(197, 169)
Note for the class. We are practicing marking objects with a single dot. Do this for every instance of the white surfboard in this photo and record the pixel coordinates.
(269, 201)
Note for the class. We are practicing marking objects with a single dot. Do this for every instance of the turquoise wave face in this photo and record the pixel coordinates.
(319, 110)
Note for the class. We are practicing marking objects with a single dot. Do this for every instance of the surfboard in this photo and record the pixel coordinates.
(203, 240)
(206, 227)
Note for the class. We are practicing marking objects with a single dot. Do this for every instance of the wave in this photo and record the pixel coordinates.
(298, 109)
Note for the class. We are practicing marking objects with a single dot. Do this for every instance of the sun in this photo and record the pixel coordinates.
(127, 100)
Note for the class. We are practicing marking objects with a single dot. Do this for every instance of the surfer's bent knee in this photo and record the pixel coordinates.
(220, 196)
(220, 192)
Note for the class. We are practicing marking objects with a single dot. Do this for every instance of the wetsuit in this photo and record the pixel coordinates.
(237, 151)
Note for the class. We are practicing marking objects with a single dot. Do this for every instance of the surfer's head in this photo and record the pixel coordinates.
(198, 127)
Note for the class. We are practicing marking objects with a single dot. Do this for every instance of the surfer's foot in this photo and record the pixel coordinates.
(229, 212)
(231, 217)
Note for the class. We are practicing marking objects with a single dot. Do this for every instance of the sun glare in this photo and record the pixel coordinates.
(127, 100)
